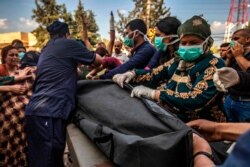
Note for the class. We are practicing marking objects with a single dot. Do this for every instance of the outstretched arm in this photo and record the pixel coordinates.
(85, 32)
(214, 131)
(112, 34)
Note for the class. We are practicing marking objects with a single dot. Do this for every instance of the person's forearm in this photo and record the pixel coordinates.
(85, 35)
(157, 95)
(98, 61)
(243, 62)
(95, 71)
(5, 80)
(111, 42)
(5, 88)
(203, 161)
(231, 131)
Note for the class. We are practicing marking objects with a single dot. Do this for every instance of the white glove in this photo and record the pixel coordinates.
(125, 77)
(218, 84)
(141, 90)
(225, 77)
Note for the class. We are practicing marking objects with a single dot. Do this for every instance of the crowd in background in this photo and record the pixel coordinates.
(177, 70)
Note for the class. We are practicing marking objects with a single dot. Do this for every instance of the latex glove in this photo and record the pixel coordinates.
(112, 22)
(225, 78)
(218, 84)
(125, 77)
(141, 90)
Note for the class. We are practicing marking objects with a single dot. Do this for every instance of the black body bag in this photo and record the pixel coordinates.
(132, 132)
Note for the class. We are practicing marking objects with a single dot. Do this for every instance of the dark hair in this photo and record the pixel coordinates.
(21, 47)
(168, 25)
(30, 58)
(137, 24)
(225, 44)
(58, 29)
(101, 51)
(17, 42)
(5, 52)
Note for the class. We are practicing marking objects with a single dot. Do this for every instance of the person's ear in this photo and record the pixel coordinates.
(248, 39)
(67, 35)
(137, 33)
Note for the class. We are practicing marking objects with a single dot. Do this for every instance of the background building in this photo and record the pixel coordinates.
(28, 39)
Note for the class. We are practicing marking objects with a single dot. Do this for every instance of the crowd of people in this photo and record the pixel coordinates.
(178, 71)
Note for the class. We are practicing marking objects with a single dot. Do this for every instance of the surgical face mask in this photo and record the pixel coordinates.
(191, 53)
(162, 46)
(129, 41)
(233, 43)
(20, 55)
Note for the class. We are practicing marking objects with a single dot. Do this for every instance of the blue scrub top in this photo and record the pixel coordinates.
(56, 77)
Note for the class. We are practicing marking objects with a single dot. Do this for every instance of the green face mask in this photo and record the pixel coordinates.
(159, 44)
(193, 52)
(20, 55)
(190, 53)
(128, 41)
(162, 46)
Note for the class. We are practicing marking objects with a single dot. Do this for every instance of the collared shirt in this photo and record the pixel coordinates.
(121, 56)
(139, 59)
(55, 85)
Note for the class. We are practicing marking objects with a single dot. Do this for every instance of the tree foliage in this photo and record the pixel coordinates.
(148, 10)
(86, 17)
(47, 11)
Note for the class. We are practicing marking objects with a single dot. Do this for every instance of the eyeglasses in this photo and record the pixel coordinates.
(13, 54)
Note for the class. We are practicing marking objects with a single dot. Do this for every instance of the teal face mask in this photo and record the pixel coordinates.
(20, 55)
(128, 41)
(159, 44)
(190, 53)
(162, 46)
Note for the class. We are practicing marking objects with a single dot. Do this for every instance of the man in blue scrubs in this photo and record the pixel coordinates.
(53, 96)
